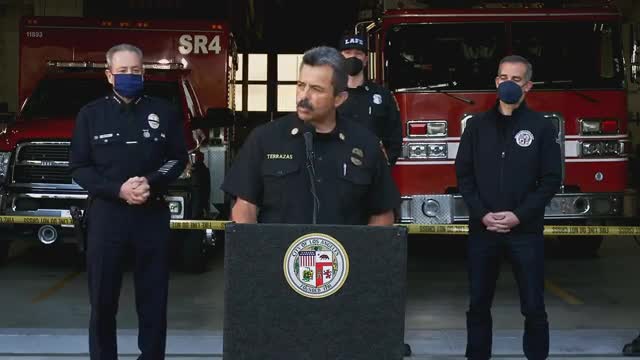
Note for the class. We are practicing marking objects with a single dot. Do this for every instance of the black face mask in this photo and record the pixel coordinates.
(354, 66)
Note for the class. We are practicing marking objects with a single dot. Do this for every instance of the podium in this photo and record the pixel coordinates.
(314, 292)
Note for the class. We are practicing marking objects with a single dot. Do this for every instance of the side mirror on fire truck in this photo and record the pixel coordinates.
(635, 54)
(214, 118)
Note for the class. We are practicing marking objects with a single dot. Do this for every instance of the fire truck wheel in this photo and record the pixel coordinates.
(4, 251)
(577, 247)
(80, 260)
(193, 251)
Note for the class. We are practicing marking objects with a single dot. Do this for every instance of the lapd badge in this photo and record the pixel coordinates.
(524, 138)
(356, 161)
(377, 99)
(358, 152)
(316, 265)
(154, 121)
(145, 133)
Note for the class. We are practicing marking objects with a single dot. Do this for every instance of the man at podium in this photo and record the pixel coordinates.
(313, 166)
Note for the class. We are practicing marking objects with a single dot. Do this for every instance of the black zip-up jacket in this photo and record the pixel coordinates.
(509, 163)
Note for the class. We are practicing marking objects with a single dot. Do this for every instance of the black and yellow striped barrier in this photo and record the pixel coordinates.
(550, 230)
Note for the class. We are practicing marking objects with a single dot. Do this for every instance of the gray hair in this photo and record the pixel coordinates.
(325, 55)
(517, 59)
(122, 47)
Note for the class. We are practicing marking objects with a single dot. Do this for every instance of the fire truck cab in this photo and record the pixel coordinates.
(62, 64)
(441, 65)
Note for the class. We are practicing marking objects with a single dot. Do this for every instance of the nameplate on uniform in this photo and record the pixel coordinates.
(279, 156)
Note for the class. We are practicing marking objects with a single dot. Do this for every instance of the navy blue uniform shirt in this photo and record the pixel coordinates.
(353, 181)
(374, 107)
(114, 141)
(509, 163)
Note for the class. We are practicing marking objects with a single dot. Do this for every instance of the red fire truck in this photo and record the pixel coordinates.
(441, 65)
(62, 64)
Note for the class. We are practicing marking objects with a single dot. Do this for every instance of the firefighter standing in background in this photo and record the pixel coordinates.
(507, 212)
(369, 103)
(126, 149)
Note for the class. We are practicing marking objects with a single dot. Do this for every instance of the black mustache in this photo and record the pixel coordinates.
(305, 104)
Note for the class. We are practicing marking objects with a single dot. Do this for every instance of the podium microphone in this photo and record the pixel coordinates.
(308, 144)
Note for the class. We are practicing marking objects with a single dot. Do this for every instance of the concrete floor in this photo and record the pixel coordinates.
(592, 305)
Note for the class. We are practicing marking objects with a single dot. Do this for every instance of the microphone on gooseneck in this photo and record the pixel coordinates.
(307, 133)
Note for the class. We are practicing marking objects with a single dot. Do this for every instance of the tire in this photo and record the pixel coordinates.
(192, 243)
(193, 251)
(576, 247)
(5, 246)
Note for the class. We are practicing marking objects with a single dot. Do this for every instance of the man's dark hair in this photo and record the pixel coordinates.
(325, 55)
(517, 59)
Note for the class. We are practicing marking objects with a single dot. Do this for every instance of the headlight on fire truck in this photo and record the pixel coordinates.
(599, 127)
(425, 151)
(427, 128)
(604, 148)
(4, 165)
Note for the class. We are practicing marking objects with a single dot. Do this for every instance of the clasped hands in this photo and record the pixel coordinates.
(500, 222)
(135, 191)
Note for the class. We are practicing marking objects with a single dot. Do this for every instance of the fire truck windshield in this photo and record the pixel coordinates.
(57, 97)
(587, 54)
(466, 56)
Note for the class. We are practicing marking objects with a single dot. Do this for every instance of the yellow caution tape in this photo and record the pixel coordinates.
(51, 220)
(198, 224)
(36, 220)
(550, 230)
(437, 229)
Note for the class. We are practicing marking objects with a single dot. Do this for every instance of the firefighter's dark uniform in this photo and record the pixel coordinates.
(374, 107)
(508, 163)
(112, 142)
(352, 179)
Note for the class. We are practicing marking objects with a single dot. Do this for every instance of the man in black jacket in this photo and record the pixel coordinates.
(508, 168)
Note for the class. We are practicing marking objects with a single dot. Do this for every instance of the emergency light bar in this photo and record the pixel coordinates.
(61, 64)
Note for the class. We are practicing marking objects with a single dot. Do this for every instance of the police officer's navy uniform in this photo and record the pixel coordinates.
(352, 179)
(112, 142)
(374, 107)
(508, 163)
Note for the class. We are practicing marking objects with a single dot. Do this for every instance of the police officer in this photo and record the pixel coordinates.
(369, 103)
(274, 181)
(126, 149)
(508, 168)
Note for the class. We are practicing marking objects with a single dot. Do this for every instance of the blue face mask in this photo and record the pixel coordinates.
(128, 85)
(509, 92)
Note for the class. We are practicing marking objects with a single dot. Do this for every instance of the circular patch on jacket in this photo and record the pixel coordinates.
(524, 138)
(316, 265)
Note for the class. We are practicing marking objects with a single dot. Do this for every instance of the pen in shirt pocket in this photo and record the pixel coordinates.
(344, 169)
